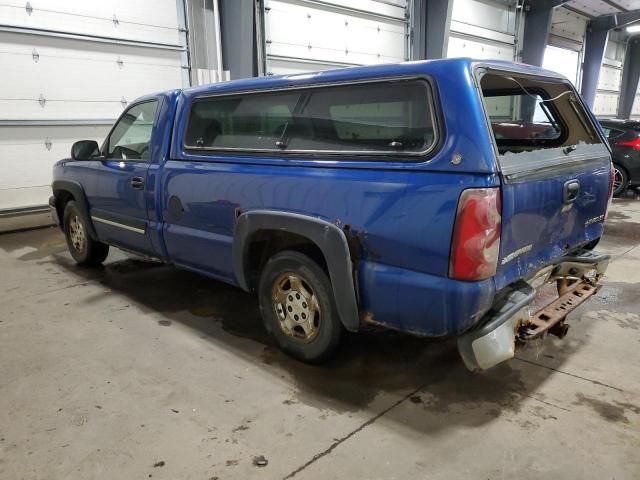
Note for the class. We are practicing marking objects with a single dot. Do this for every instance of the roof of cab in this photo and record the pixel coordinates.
(434, 68)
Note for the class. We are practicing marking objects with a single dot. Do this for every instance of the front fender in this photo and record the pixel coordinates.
(328, 237)
(75, 189)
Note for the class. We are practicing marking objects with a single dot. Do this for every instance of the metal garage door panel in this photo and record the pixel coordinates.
(465, 47)
(78, 80)
(288, 66)
(330, 36)
(27, 154)
(606, 104)
(123, 19)
(568, 25)
(564, 61)
(610, 78)
(390, 8)
(491, 16)
(482, 29)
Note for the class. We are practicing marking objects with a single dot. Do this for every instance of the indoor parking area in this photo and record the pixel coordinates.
(320, 239)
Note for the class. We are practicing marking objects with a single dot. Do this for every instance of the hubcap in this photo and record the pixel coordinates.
(617, 179)
(296, 307)
(76, 232)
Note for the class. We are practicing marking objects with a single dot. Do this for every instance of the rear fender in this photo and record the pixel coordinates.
(328, 237)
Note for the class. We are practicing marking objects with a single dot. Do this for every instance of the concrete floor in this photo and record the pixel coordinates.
(141, 370)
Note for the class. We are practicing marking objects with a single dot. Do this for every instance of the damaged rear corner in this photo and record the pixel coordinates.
(511, 322)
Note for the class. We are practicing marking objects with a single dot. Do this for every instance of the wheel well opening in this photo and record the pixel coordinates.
(62, 198)
(266, 243)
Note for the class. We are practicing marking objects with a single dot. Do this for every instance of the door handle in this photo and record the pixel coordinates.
(137, 183)
(571, 190)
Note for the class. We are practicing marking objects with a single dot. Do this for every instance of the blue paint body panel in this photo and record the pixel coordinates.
(402, 210)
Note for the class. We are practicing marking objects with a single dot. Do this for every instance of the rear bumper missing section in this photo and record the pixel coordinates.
(510, 320)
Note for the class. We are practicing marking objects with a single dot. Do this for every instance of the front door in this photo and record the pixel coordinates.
(119, 210)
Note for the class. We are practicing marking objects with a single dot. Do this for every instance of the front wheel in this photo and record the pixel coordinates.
(83, 249)
(298, 308)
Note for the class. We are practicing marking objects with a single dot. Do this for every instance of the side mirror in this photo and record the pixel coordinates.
(85, 150)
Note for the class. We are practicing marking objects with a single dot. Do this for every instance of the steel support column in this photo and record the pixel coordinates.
(537, 25)
(630, 77)
(594, 48)
(238, 28)
(431, 22)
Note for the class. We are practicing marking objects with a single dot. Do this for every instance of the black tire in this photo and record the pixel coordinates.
(620, 179)
(83, 249)
(303, 288)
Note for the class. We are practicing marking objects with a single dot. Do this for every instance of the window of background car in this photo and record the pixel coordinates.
(612, 133)
(380, 117)
(131, 137)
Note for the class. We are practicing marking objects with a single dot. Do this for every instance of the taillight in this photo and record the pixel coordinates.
(635, 143)
(476, 235)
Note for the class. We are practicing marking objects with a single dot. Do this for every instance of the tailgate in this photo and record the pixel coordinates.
(555, 170)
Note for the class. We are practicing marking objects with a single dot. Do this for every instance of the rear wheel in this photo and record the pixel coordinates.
(298, 308)
(620, 180)
(83, 249)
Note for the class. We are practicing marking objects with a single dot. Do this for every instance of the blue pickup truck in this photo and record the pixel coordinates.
(435, 198)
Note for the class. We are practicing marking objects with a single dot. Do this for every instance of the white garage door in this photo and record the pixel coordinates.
(562, 60)
(482, 29)
(610, 79)
(68, 70)
(311, 35)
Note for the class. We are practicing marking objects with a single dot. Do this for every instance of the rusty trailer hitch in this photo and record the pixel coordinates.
(551, 318)
(576, 279)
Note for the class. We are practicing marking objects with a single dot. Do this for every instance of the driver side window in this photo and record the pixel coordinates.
(131, 137)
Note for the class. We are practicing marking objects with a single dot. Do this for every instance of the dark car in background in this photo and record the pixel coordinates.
(624, 138)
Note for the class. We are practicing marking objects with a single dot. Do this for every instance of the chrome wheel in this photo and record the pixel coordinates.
(76, 234)
(618, 179)
(296, 307)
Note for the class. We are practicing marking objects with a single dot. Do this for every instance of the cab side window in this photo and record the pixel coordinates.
(131, 137)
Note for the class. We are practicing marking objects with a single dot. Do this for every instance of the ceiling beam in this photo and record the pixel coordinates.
(615, 5)
(608, 22)
(573, 9)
